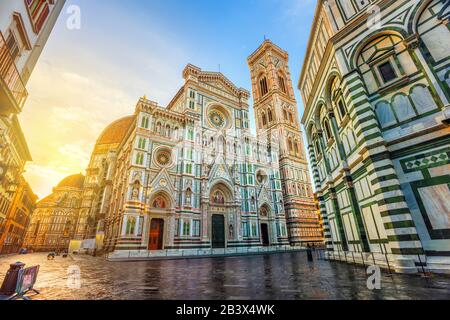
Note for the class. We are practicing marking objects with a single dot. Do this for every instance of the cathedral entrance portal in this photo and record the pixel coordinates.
(265, 234)
(218, 231)
(156, 235)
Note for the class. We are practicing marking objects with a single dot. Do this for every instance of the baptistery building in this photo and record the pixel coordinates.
(375, 85)
(192, 176)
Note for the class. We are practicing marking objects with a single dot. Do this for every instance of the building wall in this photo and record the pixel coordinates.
(13, 155)
(12, 233)
(22, 39)
(36, 30)
(377, 125)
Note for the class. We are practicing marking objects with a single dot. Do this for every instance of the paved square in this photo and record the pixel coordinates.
(279, 276)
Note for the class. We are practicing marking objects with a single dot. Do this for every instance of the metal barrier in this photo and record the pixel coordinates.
(145, 254)
(383, 260)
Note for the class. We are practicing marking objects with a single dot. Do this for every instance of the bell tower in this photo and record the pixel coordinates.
(277, 118)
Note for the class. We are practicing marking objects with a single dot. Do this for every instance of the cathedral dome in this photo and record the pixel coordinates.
(74, 181)
(116, 131)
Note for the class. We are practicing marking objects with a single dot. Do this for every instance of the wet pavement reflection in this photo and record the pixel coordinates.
(279, 276)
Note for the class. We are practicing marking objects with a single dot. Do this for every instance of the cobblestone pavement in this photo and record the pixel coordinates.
(279, 276)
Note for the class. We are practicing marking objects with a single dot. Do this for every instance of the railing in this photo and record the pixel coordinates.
(385, 261)
(11, 76)
(190, 253)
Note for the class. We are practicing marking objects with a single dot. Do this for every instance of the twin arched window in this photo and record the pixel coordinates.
(327, 128)
(263, 86)
(264, 119)
(282, 83)
(270, 115)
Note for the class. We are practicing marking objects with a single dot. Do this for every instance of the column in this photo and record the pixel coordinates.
(394, 211)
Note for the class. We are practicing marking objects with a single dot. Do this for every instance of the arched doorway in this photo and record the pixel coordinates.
(156, 235)
(264, 213)
(222, 220)
(158, 220)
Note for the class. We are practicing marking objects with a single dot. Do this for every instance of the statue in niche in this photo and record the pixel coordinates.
(135, 191)
(188, 197)
(231, 231)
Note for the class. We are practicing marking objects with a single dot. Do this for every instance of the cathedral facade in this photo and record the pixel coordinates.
(192, 176)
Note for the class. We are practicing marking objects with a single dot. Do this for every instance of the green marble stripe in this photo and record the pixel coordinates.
(383, 168)
(355, 87)
(348, 82)
(372, 136)
(372, 126)
(385, 178)
(391, 200)
(387, 189)
(408, 251)
(404, 237)
(425, 146)
(366, 119)
(394, 212)
(362, 111)
(379, 241)
(358, 104)
(399, 225)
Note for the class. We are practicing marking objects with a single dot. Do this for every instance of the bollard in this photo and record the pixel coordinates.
(310, 255)
(10, 282)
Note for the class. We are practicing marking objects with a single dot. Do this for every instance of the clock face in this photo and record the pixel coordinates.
(217, 119)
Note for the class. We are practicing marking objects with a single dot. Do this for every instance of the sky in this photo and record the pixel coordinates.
(89, 77)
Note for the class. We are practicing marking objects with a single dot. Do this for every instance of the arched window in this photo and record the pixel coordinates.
(131, 225)
(422, 99)
(270, 115)
(384, 114)
(188, 197)
(291, 117)
(263, 86)
(291, 145)
(317, 147)
(168, 131)
(336, 97)
(403, 107)
(285, 115)
(158, 128)
(327, 128)
(264, 119)
(282, 83)
(296, 148)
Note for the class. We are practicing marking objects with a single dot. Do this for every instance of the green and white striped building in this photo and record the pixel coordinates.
(376, 89)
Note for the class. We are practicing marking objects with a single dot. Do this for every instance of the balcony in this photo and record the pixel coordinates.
(12, 90)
